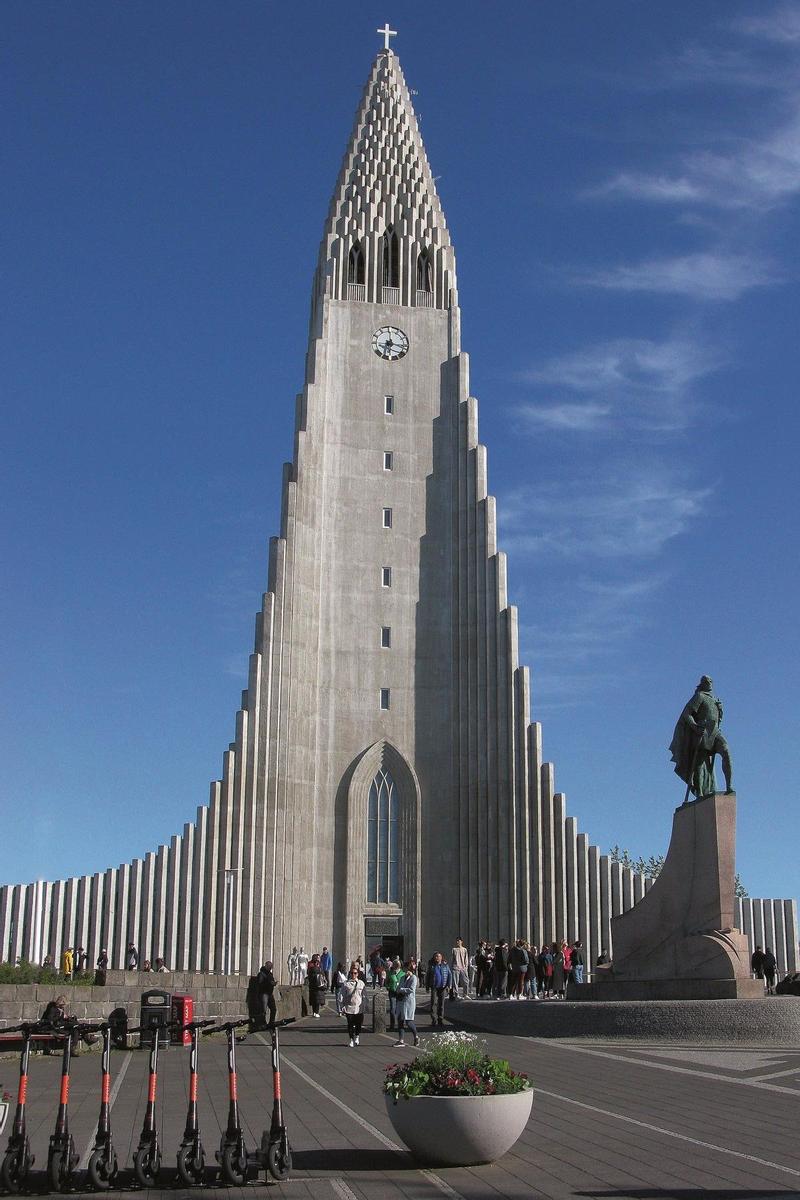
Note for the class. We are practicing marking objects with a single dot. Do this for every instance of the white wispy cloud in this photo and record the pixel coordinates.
(629, 511)
(623, 382)
(627, 364)
(574, 418)
(778, 24)
(705, 275)
(754, 174)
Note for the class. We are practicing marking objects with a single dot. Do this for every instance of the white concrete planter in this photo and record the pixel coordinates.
(460, 1131)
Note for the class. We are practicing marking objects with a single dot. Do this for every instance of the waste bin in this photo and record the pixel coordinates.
(155, 1013)
(182, 1014)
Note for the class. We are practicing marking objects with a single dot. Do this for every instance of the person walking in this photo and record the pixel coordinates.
(266, 982)
(407, 1004)
(394, 975)
(439, 984)
(339, 977)
(67, 964)
(770, 968)
(317, 985)
(131, 957)
(351, 998)
(326, 962)
(459, 967)
(757, 963)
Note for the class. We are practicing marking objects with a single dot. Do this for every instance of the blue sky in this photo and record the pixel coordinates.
(622, 184)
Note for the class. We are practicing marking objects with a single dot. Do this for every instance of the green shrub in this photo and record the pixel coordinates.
(27, 972)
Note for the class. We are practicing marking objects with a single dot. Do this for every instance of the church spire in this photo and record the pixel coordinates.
(386, 239)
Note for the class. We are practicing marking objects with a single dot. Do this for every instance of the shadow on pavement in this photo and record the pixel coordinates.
(640, 1193)
(353, 1160)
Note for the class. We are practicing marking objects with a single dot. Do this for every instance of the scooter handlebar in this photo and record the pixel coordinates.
(194, 1024)
(225, 1026)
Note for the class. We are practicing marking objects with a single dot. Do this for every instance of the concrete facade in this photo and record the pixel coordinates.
(385, 649)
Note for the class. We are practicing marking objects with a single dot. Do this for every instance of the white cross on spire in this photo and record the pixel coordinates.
(387, 33)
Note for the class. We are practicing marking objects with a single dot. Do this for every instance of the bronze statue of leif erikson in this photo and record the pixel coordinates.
(696, 741)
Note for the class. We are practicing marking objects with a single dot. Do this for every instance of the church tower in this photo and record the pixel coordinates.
(391, 707)
(385, 784)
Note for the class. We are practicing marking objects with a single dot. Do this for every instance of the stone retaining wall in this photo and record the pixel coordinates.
(214, 996)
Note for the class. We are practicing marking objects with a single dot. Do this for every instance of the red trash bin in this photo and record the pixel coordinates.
(182, 1014)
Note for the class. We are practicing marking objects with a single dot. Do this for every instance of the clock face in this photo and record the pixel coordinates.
(390, 343)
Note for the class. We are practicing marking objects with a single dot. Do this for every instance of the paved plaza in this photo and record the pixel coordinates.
(609, 1120)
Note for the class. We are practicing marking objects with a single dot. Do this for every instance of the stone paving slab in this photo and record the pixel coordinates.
(607, 1122)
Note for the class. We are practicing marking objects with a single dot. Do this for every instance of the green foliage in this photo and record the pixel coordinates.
(27, 972)
(454, 1064)
(651, 867)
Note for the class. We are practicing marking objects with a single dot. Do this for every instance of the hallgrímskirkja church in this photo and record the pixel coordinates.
(385, 783)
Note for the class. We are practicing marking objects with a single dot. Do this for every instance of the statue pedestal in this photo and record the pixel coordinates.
(679, 941)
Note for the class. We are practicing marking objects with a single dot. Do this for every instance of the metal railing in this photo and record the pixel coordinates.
(356, 291)
(390, 295)
(424, 299)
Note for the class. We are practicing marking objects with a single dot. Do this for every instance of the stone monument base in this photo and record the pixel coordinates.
(668, 989)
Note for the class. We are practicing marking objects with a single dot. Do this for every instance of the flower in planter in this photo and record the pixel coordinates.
(454, 1064)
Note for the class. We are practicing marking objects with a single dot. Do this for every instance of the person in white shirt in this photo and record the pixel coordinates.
(459, 965)
(351, 995)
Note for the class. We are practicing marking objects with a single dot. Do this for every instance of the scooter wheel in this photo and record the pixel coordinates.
(234, 1167)
(58, 1170)
(279, 1160)
(191, 1166)
(12, 1174)
(102, 1170)
(146, 1166)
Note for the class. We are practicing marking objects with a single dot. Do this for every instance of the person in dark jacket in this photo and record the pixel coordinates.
(101, 966)
(317, 985)
(500, 968)
(578, 962)
(517, 966)
(770, 968)
(757, 963)
(439, 979)
(266, 984)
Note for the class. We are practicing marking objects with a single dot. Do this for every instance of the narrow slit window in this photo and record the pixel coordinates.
(388, 405)
(387, 518)
(385, 698)
(386, 576)
(388, 460)
(386, 636)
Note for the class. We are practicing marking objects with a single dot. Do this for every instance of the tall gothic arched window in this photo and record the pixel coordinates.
(390, 259)
(383, 865)
(355, 264)
(424, 271)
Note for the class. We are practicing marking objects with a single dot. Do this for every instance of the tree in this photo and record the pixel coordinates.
(651, 867)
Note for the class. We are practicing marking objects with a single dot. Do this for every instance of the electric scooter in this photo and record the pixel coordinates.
(102, 1166)
(62, 1157)
(18, 1160)
(191, 1156)
(147, 1159)
(232, 1155)
(276, 1153)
